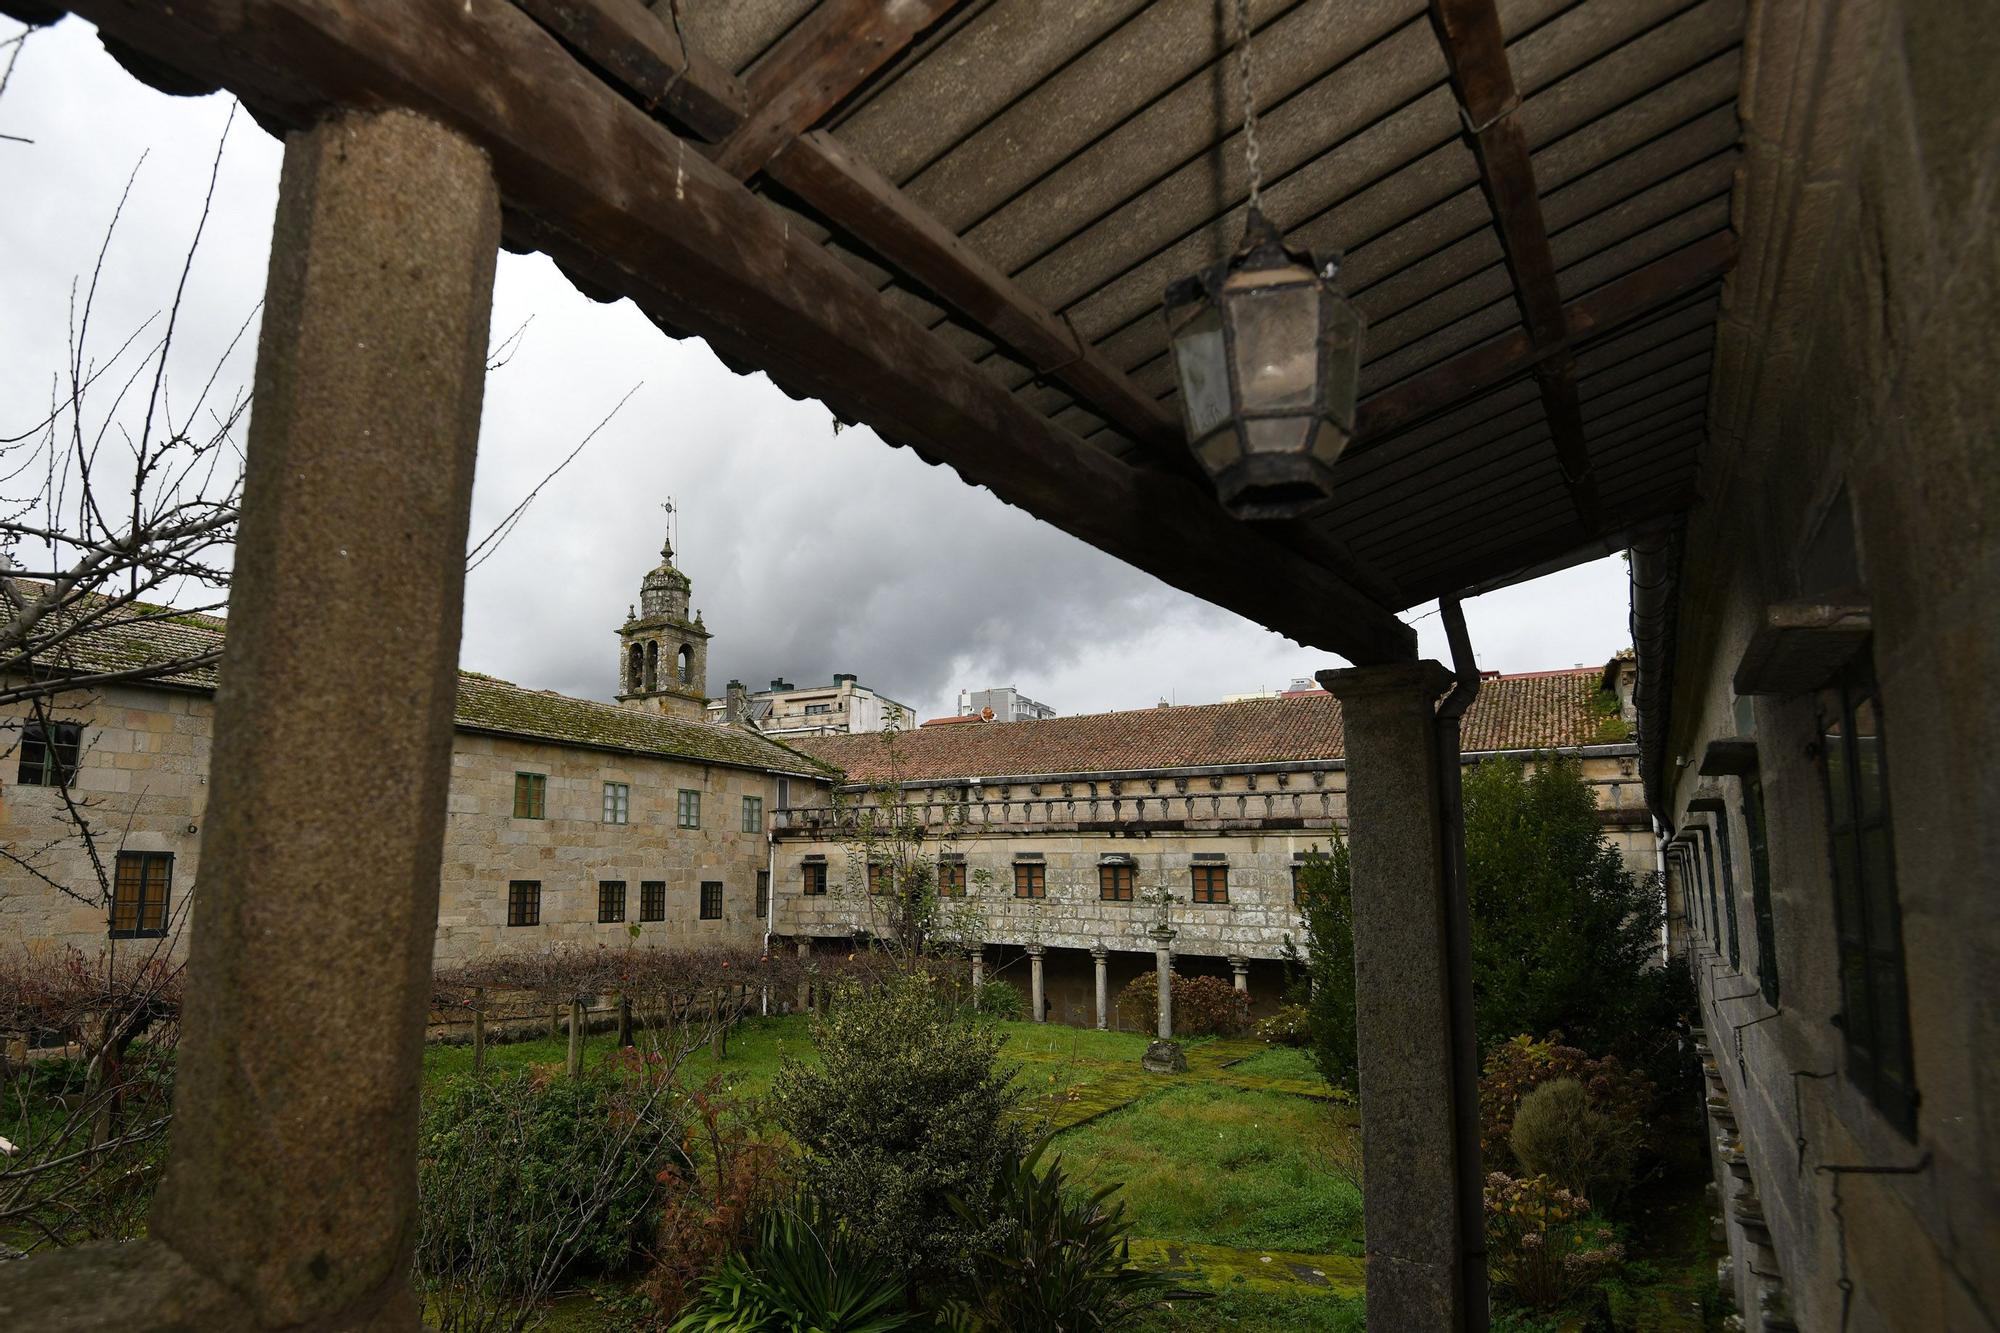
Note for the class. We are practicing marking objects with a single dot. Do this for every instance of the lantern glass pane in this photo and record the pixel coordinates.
(1277, 340)
(1278, 435)
(1203, 364)
(1341, 348)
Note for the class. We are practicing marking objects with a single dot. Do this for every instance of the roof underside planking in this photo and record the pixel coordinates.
(953, 220)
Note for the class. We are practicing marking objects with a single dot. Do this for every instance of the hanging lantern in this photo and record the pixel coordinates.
(1269, 357)
(1268, 352)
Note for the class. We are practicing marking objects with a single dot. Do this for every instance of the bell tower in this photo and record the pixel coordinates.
(662, 651)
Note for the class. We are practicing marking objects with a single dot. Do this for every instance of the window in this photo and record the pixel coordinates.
(652, 900)
(610, 900)
(689, 809)
(617, 802)
(1030, 879)
(524, 902)
(684, 665)
(711, 900)
(652, 666)
(879, 879)
(1760, 886)
(635, 673)
(1114, 881)
(763, 894)
(1298, 884)
(815, 878)
(531, 795)
(49, 754)
(784, 793)
(951, 877)
(139, 894)
(818, 710)
(1211, 883)
(1875, 1018)
(1721, 839)
(753, 814)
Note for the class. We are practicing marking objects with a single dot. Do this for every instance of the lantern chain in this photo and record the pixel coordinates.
(1250, 152)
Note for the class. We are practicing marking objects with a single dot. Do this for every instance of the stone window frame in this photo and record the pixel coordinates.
(1208, 882)
(50, 754)
(687, 808)
(1117, 879)
(763, 894)
(524, 902)
(813, 878)
(1868, 923)
(753, 814)
(711, 900)
(652, 900)
(531, 795)
(617, 802)
(1031, 878)
(951, 876)
(132, 897)
(610, 901)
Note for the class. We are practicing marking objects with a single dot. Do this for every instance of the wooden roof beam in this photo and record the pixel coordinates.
(1475, 53)
(815, 66)
(1497, 360)
(612, 192)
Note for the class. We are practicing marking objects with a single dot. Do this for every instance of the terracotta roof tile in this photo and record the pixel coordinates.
(1527, 712)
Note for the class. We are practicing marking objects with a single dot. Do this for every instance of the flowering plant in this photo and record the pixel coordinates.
(1541, 1245)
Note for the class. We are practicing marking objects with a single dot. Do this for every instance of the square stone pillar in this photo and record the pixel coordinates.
(1403, 1023)
(292, 1176)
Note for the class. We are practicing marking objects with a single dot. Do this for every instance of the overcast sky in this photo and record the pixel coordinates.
(811, 552)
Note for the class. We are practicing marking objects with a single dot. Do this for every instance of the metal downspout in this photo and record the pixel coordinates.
(1471, 1178)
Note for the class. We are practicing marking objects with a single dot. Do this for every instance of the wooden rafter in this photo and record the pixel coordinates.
(610, 191)
(832, 51)
(1475, 52)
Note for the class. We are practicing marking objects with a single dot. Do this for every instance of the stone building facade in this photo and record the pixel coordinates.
(1062, 829)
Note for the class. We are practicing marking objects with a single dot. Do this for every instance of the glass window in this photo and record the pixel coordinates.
(1298, 884)
(1874, 1021)
(763, 894)
(617, 802)
(610, 900)
(1211, 883)
(1760, 886)
(524, 902)
(815, 878)
(1030, 879)
(711, 900)
(951, 878)
(652, 900)
(139, 895)
(688, 810)
(1721, 836)
(49, 754)
(753, 814)
(784, 793)
(1114, 881)
(878, 878)
(531, 795)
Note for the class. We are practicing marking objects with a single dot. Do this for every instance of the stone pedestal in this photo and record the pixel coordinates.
(1239, 972)
(1102, 958)
(291, 1179)
(1035, 990)
(1164, 1057)
(1403, 1009)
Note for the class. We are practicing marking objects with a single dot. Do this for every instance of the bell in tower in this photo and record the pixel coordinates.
(663, 652)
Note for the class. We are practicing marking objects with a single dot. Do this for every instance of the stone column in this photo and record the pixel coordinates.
(805, 982)
(979, 967)
(1403, 1014)
(1239, 972)
(292, 1176)
(1102, 957)
(1163, 971)
(1035, 952)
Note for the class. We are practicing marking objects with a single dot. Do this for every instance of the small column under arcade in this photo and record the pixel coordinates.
(1035, 952)
(1102, 958)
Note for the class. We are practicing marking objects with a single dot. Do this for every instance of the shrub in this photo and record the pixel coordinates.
(999, 1000)
(1062, 1263)
(1290, 1026)
(1559, 1134)
(907, 1107)
(715, 1200)
(522, 1179)
(1540, 1247)
(1203, 1006)
(1326, 905)
(804, 1271)
(1515, 1068)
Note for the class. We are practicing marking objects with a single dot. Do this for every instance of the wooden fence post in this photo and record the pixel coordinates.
(575, 1062)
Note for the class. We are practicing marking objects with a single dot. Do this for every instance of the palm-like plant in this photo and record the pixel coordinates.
(803, 1274)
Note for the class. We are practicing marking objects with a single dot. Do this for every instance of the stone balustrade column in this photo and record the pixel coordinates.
(1102, 957)
(292, 1175)
(1035, 952)
(1403, 997)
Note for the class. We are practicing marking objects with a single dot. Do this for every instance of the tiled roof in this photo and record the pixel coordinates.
(1528, 712)
(143, 634)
